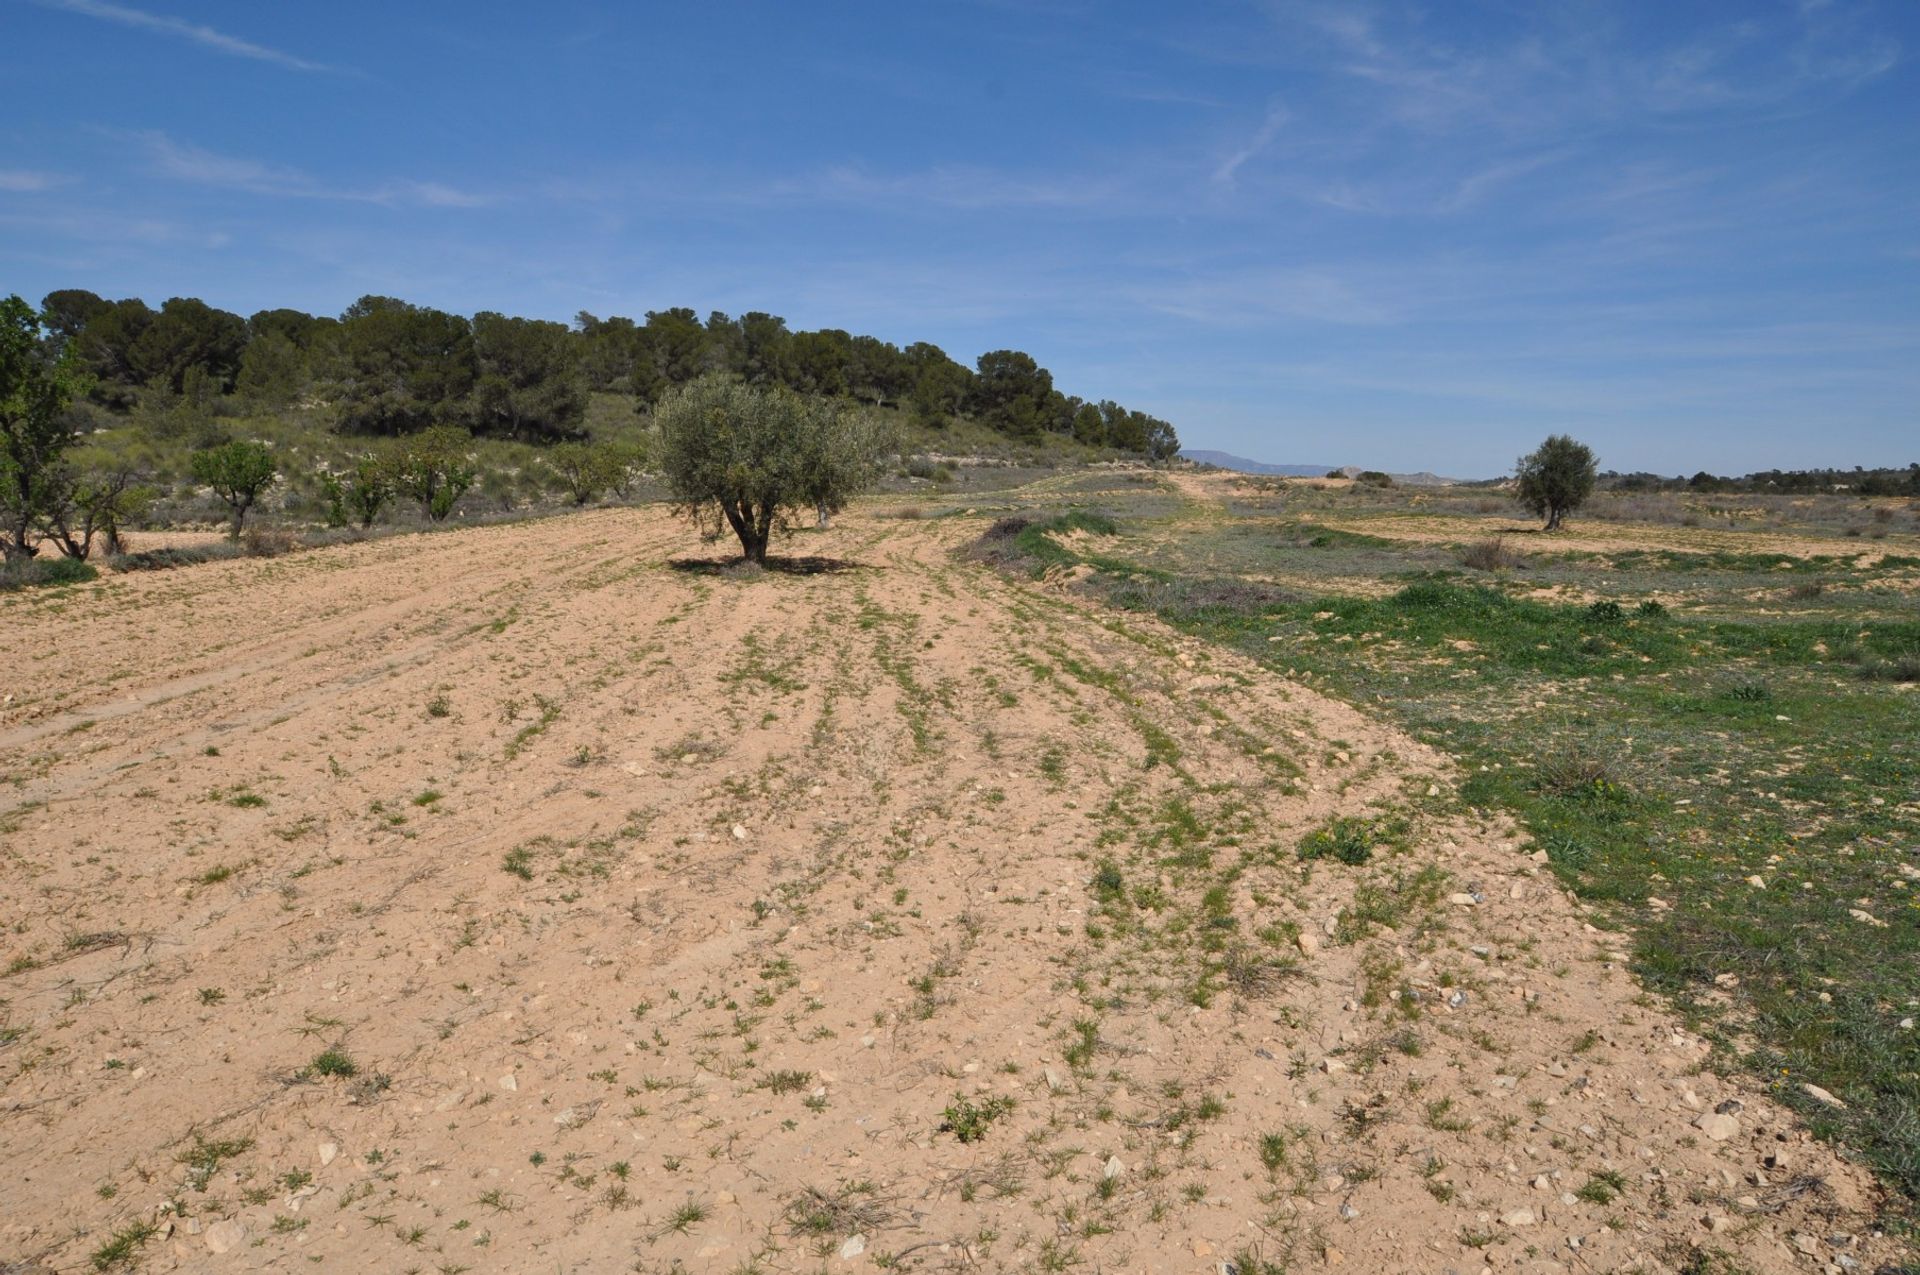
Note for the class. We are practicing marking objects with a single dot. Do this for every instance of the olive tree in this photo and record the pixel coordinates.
(239, 473)
(1555, 478)
(747, 456)
(36, 386)
(849, 463)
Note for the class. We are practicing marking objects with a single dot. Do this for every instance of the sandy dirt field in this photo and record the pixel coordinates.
(516, 899)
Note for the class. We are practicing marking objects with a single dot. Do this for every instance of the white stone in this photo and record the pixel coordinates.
(225, 1235)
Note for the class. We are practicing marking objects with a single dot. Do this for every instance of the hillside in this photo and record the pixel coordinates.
(1240, 464)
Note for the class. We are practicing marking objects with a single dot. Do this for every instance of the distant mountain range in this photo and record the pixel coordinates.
(1240, 464)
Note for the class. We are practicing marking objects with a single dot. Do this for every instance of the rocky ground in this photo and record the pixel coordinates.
(532, 898)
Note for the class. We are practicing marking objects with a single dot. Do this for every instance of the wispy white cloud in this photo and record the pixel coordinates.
(23, 181)
(950, 186)
(181, 28)
(110, 232)
(188, 163)
(1478, 185)
(1570, 68)
(1340, 296)
(1276, 119)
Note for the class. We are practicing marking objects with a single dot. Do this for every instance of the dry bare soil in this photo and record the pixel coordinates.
(523, 899)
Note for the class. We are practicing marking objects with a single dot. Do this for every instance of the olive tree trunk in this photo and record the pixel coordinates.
(753, 527)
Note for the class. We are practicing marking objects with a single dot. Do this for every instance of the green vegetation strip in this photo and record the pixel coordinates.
(1745, 793)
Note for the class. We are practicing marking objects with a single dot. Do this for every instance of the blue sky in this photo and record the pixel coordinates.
(1405, 235)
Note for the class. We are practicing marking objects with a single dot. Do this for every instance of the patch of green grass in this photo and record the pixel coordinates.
(1352, 839)
(123, 1246)
(684, 1218)
(787, 1081)
(968, 1120)
(204, 1157)
(1390, 901)
(757, 666)
(1086, 1039)
(1603, 1187)
(333, 1062)
(549, 713)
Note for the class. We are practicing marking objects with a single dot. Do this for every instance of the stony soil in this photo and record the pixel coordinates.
(521, 899)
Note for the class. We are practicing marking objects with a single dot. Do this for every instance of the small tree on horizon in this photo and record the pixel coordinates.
(1556, 478)
(746, 456)
(239, 472)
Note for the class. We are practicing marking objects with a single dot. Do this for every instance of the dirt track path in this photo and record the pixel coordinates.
(666, 916)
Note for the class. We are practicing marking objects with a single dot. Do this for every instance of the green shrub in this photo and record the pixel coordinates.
(1344, 837)
(1573, 773)
(32, 573)
(1901, 668)
(968, 1121)
(333, 1062)
(1491, 554)
(176, 556)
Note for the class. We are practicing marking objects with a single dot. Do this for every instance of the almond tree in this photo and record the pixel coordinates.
(239, 473)
(36, 385)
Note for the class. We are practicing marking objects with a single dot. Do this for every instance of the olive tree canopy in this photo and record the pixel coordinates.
(746, 456)
(1556, 478)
